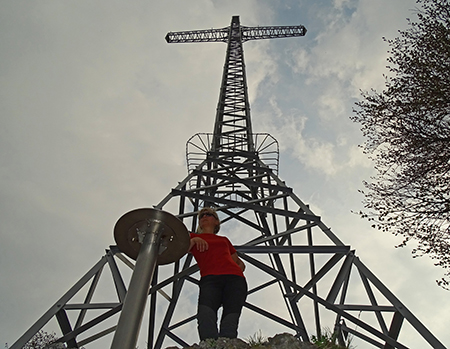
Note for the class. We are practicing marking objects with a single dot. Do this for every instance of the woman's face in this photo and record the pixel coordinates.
(207, 219)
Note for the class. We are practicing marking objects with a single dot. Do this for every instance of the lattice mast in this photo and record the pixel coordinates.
(233, 140)
(233, 127)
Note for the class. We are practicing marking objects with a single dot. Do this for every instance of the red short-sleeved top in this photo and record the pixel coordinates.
(216, 260)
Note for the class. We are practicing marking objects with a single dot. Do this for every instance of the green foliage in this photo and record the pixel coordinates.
(41, 340)
(328, 339)
(407, 132)
(208, 343)
(256, 340)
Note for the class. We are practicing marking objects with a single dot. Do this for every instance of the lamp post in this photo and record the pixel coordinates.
(151, 237)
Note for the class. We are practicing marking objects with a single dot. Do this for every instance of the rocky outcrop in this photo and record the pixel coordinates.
(279, 341)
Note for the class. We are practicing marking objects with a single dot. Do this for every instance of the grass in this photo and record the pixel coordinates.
(328, 339)
(257, 340)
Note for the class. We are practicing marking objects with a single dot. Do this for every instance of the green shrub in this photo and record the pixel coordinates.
(257, 340)
(328, 339)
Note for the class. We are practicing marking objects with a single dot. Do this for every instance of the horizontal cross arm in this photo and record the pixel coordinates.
(255, 33)
(247, 33)
(207, 35)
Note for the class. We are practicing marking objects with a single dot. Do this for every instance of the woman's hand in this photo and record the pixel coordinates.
(199, 243)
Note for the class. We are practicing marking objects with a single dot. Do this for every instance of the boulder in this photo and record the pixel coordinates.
(279, 341)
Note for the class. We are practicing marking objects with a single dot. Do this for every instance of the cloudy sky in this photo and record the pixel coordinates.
(95, 110)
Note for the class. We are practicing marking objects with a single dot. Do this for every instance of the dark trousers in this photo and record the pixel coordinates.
(229, 291)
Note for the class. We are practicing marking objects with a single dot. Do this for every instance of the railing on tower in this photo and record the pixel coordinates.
(233, 140)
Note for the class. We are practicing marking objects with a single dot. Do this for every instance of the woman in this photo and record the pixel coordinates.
(222, 280)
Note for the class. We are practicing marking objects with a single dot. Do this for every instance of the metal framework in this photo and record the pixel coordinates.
(287, 248)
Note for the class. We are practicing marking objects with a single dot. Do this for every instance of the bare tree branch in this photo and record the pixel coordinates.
(407, 131)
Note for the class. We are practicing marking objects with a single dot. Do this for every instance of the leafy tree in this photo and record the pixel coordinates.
(40, 340)
(43, 340)
(407, 135)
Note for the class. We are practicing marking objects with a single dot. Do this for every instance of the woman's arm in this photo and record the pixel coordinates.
(201, 244)
(238, 261)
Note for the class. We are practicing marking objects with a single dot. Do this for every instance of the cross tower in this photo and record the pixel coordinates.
(293, 259)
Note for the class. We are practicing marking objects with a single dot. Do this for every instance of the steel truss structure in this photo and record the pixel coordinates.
(287, 248)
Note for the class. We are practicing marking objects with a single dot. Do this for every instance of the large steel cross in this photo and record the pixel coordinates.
(233, 128)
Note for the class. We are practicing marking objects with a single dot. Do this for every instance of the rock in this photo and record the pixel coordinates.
(287, 341)
(220, 343)
(279, 341)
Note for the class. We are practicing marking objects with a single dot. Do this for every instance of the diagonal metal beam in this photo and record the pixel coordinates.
(341, 277)
(373, 301)
(320, 274)
(402, 309)
(64, 324)
(92, 323)
(249, 205)
(272, 317)
(324, 303)
(117, 278)
(394, 330)
(88, 298)
(57, 306)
